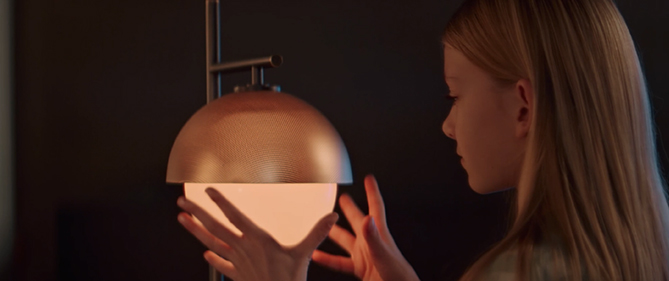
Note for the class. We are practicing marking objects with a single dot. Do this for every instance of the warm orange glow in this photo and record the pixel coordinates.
(286, 211)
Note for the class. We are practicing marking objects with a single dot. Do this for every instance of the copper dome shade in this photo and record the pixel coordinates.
(258, 137)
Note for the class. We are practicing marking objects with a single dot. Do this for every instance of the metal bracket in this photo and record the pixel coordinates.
(215, 68)
(257, 67)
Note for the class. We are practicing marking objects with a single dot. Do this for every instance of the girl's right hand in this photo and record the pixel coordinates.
(374, 256)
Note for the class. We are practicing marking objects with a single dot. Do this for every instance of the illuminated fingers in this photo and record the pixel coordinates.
(223, 266)
(352, 213)
(237, 218)
(202, 234)
(343, 238)
(376, 207)
(246, 257)
(317, 234)
(209, 222)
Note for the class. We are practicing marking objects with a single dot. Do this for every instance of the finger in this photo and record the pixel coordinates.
(221, 265)
(352, 213)
(337, 263)
(380, 253)
(236, 217)
(202, 234)
(342, 237)
(209, 222)
(387, 258)
(316, 235)
(376, 207)
(374, 242)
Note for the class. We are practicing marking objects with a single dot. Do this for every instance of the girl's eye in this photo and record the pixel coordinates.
(451, 98)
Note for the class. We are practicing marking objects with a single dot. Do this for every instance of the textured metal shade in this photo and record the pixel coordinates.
(258, 137)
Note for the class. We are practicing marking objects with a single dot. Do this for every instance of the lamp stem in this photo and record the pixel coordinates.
(213, 44)
(257, 75)
(213, 57)
(214, 275)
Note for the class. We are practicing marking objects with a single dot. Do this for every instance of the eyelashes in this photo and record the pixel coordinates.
(450, 101)
(450, 98)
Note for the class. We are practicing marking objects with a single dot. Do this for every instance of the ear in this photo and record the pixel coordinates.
(524, 93)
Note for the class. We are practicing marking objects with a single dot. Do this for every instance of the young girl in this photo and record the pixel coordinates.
(549, 98)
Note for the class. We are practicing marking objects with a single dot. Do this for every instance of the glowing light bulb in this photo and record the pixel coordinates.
(288, 212)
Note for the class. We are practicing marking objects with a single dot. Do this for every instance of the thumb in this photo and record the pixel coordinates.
(317, 234)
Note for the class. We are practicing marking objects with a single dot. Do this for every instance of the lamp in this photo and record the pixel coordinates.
(272, 155)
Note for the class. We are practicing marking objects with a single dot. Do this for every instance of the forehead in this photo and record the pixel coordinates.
(454, 61)
(458, 67)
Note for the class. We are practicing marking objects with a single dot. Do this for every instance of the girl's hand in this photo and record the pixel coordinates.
(255, 255)
(374, 255)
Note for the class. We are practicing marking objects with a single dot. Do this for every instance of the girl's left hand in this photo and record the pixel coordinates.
(255, 255)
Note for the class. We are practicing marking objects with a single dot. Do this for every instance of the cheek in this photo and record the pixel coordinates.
(483, 139)
(474, 132)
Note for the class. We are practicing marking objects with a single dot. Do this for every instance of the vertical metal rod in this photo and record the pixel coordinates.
(261, 75)
(209, 49)
(213, 56)
(257, 75)
(212, 6)
(254, 75)
(215, 275)
(218, 48)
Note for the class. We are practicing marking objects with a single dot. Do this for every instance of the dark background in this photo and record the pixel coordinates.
(103, 88)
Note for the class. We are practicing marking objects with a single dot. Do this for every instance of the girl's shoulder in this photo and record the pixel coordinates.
(503, 267)
(543, 264)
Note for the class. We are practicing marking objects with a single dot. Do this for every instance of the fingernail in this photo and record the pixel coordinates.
(181, 201)
(181, 219)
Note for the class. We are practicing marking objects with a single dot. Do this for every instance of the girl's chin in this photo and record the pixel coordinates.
(485, 187)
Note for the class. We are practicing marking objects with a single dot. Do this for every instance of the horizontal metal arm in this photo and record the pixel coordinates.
(266, 62)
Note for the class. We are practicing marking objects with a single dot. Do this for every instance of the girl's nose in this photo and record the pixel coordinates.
(448, 127)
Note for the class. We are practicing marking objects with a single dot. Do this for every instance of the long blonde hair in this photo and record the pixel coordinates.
(590, 184)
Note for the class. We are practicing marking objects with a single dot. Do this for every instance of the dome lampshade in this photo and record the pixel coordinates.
(275, 157)
(258, 137)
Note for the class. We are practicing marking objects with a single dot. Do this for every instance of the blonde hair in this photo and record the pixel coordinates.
(590, 184)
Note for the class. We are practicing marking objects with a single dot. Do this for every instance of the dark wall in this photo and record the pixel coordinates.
(7, 230)
(103, 87)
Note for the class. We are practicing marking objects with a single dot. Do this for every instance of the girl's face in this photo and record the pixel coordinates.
(488, 121)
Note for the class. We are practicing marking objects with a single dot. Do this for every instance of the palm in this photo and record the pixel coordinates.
(363, 265)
